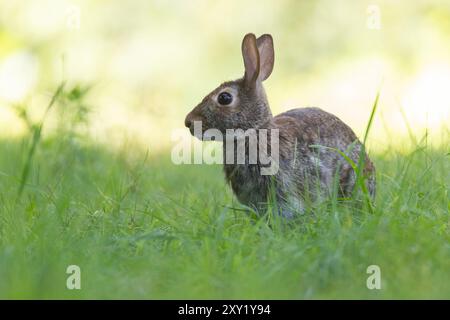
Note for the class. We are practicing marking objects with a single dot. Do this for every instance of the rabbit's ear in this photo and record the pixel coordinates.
(251, 59)
(266, 56)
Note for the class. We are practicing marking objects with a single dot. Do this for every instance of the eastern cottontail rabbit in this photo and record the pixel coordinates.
(308, 140)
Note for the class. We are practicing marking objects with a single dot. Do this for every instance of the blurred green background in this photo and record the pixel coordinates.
(97, 187)
(150, 62)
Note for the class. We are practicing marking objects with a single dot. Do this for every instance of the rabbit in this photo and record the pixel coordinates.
(307, 171)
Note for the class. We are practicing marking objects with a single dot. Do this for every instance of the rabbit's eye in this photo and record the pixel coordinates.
(225, 98)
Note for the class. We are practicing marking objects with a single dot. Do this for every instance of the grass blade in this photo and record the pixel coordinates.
(37, 132)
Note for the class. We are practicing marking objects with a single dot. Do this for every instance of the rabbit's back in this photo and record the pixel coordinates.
(307, 139)
(320, 125)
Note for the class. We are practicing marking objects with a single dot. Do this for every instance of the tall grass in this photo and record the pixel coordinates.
(36, 131)
(141, 227)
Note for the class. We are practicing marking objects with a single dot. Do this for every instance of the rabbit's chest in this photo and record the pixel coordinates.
(249, 186)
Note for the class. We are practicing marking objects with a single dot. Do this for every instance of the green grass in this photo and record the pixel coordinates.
(141, 227)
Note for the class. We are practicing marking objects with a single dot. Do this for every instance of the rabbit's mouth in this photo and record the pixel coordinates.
(196, 132)
(205, 135)
(195, 126)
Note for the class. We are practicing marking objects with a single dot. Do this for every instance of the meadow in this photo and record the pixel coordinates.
(141, 227)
